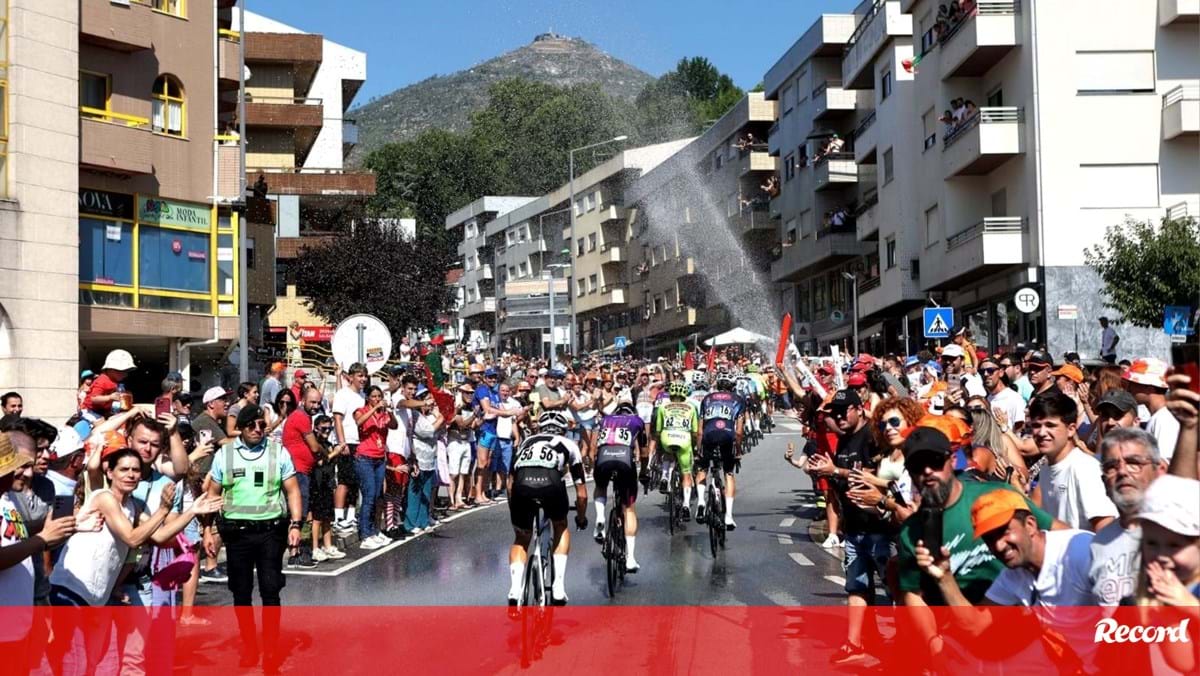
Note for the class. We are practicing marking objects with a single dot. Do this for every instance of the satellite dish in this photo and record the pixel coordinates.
(361, 338)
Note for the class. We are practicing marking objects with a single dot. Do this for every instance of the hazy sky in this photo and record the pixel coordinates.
(409, 40)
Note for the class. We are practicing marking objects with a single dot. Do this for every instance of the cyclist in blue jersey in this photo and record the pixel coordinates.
(617, 444)
(721, 416)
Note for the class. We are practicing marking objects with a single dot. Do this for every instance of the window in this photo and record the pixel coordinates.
(94, 90)
(801, 89)
(996, 98)
(789, 167)
(591, 240)
(1107, 186)
(249, 253)
(885, 84)
(927, 38)
(587, 202)
(579, 246)
(1114, 72)
(599, 202)
(658, 304)
(168, 117)
(523, 269)
(887, 166)
(933, 229)
(890, 251)
(788, 100)
(174, 7)
(838, 287)
(578, 207)
(512, 271)
(1000, 203)
(808, 225)
(929, 124)
(789, 232)
(593, 284)
(669, 299)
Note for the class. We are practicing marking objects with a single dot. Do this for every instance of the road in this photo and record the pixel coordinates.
(769, 560)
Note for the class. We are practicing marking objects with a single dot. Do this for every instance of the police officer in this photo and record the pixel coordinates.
(260, 517)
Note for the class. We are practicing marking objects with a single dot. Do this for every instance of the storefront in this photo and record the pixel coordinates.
(143, 252)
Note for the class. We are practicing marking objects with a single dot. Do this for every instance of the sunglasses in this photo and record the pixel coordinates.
(917, 466)
(840, 414)
(977, 410)
(894, 421)
(988, 370)
(258, 425)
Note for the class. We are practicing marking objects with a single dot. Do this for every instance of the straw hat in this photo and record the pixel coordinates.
(10, 460)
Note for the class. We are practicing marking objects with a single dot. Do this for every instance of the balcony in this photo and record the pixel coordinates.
(987, 140)
(827, 248)
(756, 159)
(1178, 11)
(835, 170)
(755, 217)
(980, 249)
(301, 51)
(614, 252)
(977, 43)
(486, 272)
(866, 222)
(229, 56)
(314, 181)
(284, 111)
(613, 212)
(115, 142)
(829, 99)
(864, 139)
(618, 293)
(229, 171)
(882, 22)
(484, 305)
(1181, 112)
(123, 28)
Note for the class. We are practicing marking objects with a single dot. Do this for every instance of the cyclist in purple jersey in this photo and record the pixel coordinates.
(617, 446)
(720, 439)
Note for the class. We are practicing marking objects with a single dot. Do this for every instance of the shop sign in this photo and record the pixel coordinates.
(155, 211)
(103, 203)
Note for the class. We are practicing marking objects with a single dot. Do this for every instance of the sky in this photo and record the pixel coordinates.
(407, 41)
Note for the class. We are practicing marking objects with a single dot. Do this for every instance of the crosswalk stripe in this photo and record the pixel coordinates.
(784, 539)
(800, 558)
(788, 522)
(836, 579)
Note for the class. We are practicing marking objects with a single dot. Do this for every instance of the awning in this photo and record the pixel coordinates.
(738, 336)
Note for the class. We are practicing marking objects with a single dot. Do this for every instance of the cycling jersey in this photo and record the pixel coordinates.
(619, 430)
(697, 397)
(721, 411)
(674, 424)
(547, 455)
(614, 455)
(744, 387)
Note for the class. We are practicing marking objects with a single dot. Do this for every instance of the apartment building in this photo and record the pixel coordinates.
(469, 225)
(823, 185)
(298, 89)
(1060, 134)
(160, 197)
(39, 179)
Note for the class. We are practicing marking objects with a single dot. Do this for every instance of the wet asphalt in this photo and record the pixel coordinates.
(769, 560)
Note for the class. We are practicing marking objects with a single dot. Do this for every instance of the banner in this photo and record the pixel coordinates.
(785, 335)
(154, 211)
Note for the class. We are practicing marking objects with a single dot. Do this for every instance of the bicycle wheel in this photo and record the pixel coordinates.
(671, 507)
(618, 526)
(713, 535)
(532, 595)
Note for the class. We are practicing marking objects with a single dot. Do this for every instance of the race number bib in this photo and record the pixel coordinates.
(537, 454)
(619, 436)
(722, 412)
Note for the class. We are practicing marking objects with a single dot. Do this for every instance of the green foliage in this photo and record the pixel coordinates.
(685, 101)
(373, 270)
(1146, 268)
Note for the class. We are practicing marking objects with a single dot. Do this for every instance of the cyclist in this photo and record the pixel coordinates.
(699, 388)
(617, 441)
(762, 400)
(677, 432)
(536, 479)
(744, 387)
(722, 412)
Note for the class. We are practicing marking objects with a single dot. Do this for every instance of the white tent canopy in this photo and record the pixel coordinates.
(738, 336)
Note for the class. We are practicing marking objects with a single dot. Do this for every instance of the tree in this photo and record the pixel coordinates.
(685, 100)
(1146, 268)
(374, 270)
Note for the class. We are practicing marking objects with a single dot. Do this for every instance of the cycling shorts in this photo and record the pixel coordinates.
(683, 455)
(536, 487)
(718, 445)
(612, 459)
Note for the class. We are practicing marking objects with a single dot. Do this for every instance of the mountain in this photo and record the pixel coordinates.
(446, 101)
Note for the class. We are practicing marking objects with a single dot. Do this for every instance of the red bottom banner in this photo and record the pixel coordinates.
(727, 640)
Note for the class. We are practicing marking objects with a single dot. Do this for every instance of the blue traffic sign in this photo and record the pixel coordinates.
(620, 342)
(938, 321)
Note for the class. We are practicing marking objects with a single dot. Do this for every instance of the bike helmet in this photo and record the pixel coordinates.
(554, 422)
(699, 381)
(724, 381)
(752, 368)
(677, 390)
(625, 408)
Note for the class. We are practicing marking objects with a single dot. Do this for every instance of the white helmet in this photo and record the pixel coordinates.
(553, 421)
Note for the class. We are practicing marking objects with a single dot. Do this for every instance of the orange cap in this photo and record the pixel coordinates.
(1070, 371)
(956, 431)
(995, 509)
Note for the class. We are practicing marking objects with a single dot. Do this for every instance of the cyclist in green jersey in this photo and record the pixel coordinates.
(677, 431)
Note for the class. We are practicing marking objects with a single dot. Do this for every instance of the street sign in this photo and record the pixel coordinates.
(1027, 299)
(837, 316)
(937, 321)
(1068, 312)
(1177, 322)
(620, 342)
(361, 338)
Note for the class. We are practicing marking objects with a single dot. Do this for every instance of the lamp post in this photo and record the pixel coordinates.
(571, 206)
(854, 298)
(549, 272)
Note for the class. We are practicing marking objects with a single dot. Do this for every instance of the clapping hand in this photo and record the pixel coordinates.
(206, 504)
(1165, 585)
(88, 520)
(167, 501)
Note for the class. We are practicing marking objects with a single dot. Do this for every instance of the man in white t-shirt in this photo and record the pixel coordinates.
(1044, 570)
(1108, 341)
(347, 400)
(1071, 484)
(1146, 379)
(1001, 396)
(1130, 461)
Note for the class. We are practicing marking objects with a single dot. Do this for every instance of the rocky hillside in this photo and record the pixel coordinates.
(446, 101)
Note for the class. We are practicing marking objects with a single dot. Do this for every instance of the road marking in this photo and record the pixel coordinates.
(800, 559)
(788, 522)
(840, 581)
(784, 538)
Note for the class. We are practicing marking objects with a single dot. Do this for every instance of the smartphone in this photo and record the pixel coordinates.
(1186, 360)
(205, 436)
(162, 405)
(931, 530)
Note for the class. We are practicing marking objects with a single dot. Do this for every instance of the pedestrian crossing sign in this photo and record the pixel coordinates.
(938, 321)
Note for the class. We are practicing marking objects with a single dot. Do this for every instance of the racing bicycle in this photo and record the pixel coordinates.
(614, 544)
(715, 515)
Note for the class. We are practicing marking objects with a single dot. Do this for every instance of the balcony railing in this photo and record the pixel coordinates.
(868, 18)
(284, 100)
(870, 198)
(987, 115)
(987, 226)
(982, 8)
(868, 284)
(864, 125)
(615, 286)
(1181, 93)
(113, 118)
(820, 89)
(840, 155)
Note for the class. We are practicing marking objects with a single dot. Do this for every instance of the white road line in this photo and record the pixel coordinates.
(784, 538)
(800, 559)
(788, 522)
(840, 581)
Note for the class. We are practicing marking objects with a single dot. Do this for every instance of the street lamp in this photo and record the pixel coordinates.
(854, 297)
(548, 271)
(571, 206)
